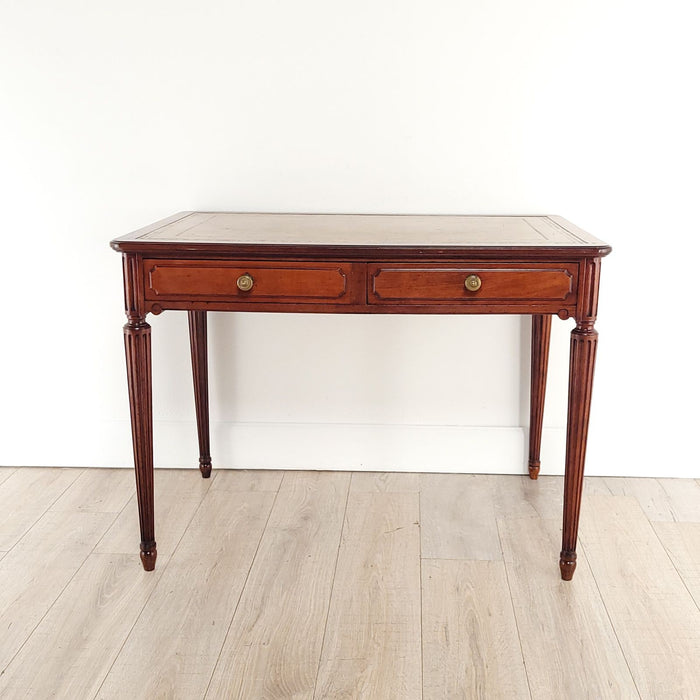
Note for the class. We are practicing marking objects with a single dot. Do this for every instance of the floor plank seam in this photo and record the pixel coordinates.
(673, 564)
(512, 606)
(48, 508)
(420, 574)
(670, 504)
(60, 593)
(330, 595)
(7, 474)
(243, 587)
(582, 554)
(104, 534)
(161, 571)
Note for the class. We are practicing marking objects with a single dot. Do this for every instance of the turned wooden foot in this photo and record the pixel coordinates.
(149, 553)
(205, 467)
(200, 374)
(567, 565)
(541, 329)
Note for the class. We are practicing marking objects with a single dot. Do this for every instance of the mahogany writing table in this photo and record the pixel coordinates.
(199, 261)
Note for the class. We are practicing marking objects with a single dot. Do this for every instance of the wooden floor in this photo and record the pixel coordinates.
(338, 585)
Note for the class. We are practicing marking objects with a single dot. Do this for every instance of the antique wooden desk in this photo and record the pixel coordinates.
(199, 261)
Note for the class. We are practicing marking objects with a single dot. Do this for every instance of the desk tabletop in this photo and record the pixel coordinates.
(216, 231)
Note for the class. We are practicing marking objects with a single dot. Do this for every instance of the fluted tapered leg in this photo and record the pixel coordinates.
(541, 328)
(584, 342)
(137, 342)
(200, 375)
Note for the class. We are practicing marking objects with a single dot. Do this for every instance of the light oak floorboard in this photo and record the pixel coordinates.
(385, 482)
(6, 472)
(682, 542)
(72, 649)
(568, 643)
(274, 642)
(238, 480)
(457, 517)
(655, 618)
(595, 484)
(516, 496)
(76, 607)
(34, 573)
(470, 640)
(684, 499)
(172, 650)
(372, 643)
(26, 495)
(178, 494)
(649, 494)
(521, 497)
(98, 491)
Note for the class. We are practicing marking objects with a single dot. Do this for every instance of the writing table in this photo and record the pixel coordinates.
(333, 263)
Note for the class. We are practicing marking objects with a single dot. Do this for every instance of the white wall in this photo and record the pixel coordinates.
(114, 116)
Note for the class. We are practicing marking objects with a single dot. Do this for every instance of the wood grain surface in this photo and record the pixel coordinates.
(656, 619)
(568, 642)
(471, 647)
(372, 638)
(313, 585)
(287, 594)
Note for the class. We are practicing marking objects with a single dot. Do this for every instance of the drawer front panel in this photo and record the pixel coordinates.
(514, 282)
(282, 282)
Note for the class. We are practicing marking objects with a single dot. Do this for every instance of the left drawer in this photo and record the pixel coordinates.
(247, 281)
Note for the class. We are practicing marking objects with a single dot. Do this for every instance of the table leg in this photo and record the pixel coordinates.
(137, 342)
(584, 342)
(541, 328)
(198, 346)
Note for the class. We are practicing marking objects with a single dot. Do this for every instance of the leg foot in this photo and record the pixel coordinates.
(533, 469)
(567, 565)
(205, 467)
(148, 553)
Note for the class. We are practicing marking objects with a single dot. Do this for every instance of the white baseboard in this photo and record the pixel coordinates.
(425, 448)
(332, 446)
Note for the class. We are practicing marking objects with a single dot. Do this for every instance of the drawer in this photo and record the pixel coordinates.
(278, 282)
(488, 282)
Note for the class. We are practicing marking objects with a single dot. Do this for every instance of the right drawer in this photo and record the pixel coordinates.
(507, 282)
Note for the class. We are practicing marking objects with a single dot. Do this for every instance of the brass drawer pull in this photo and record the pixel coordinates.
(245, 282)
(473, 283)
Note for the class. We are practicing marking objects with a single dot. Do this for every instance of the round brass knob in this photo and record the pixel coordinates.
(245, 282)
(472, 283)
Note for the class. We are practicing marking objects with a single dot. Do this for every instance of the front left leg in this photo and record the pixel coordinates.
(137, 343)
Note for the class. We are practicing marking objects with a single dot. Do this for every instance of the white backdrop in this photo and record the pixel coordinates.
(115, 115)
